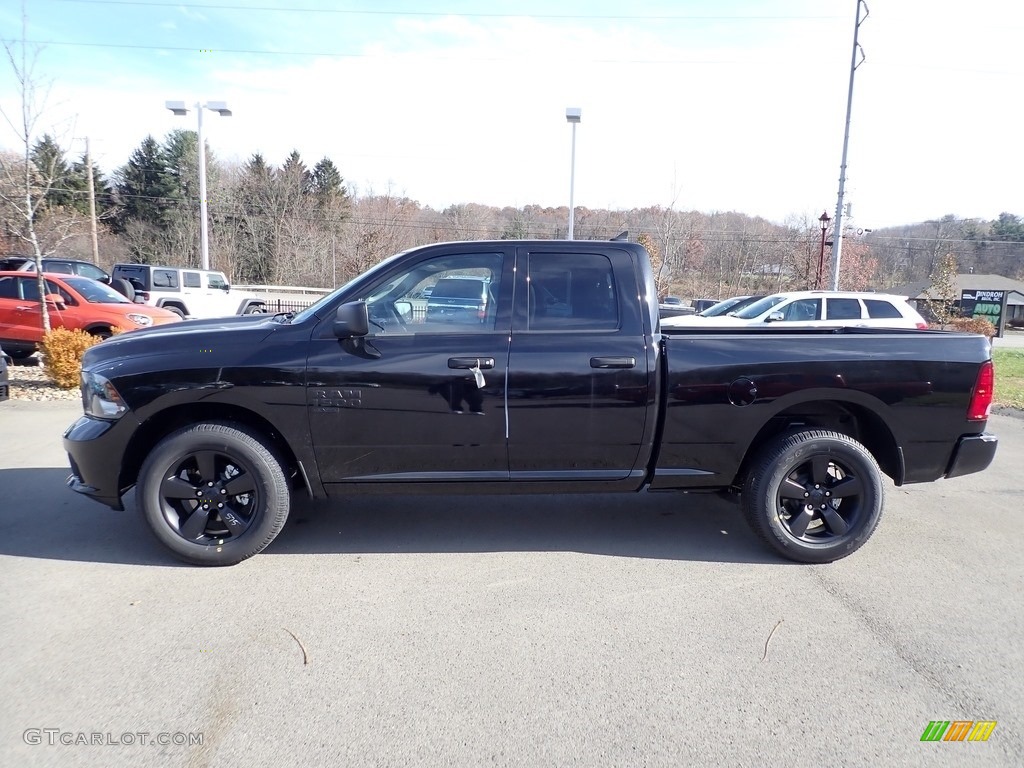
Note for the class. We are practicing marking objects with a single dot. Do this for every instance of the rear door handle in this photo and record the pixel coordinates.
(483, 363)
(613, 362)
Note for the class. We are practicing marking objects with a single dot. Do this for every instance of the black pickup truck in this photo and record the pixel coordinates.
(557, 380)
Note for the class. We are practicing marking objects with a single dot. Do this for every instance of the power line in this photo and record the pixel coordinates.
(460, 14)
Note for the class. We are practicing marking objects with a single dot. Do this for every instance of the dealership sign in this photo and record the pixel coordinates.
(990, 305)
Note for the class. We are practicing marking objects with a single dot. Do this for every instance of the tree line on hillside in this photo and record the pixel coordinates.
(292, 224)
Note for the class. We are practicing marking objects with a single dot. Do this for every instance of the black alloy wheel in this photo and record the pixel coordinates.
(814, 496)
(214, 494)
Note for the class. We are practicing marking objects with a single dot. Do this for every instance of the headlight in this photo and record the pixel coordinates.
(99, 397)
(140, 319)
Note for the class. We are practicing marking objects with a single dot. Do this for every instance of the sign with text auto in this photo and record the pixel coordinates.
(990, 305)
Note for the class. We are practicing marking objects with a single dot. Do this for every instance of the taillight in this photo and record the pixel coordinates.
(922, 326)
(981, 396)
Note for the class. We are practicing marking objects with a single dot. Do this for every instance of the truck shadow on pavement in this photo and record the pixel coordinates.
(41, 518)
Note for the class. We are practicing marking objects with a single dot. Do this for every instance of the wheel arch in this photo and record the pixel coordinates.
(161, 424)
(165, 303)
(857, 420)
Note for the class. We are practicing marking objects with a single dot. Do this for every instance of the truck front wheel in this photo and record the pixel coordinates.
(213, 494)
(813, 496)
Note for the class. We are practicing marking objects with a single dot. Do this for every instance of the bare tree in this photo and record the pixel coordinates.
(25, 185)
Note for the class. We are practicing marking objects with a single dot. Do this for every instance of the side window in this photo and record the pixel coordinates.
(29, 288)
(881, 310)
(803, 310)
(191, 279)
(94, 273)
(61, 267)
(166, 279)
(572, 292)
(446, 294)
(8, 288)
(843, 309)
(215, 280)
(52, 287)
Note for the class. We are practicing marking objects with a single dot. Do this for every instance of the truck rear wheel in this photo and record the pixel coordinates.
(213, 494)
(814, 496)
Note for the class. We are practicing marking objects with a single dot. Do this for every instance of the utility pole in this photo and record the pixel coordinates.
(837, 247)
(92, 204)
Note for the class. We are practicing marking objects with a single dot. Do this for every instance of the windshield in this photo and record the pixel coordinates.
(758, 308)
(95, 293)
(311, 310)
(722, 307)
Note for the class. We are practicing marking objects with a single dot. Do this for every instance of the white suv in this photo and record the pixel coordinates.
(815, 309)
(192, 293)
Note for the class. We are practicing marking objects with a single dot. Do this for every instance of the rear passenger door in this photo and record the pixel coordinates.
(578, 385)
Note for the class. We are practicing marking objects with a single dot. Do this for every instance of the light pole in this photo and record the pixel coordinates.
(824, 221)
(179, 108)
(572, 115)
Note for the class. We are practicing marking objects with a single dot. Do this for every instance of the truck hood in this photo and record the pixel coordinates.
(177, 338)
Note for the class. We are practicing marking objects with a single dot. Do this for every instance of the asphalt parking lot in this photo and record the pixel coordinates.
(529, 631)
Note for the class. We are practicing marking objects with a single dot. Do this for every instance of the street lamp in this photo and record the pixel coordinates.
(824, 221)
(179, 108)
(572, 115)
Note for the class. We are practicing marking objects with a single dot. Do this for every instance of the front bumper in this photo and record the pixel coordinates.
(973, 453)
(95, 449)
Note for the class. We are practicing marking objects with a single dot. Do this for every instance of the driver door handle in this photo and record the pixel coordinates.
(483, 363)
(613, 362)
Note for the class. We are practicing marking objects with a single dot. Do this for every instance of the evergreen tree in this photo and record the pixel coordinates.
(327, 184)
(295, 175)
(52, 172)
(143, 188)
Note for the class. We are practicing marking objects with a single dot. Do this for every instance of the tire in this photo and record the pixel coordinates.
(175, 310)
(101, 333)
(123, 287)
(214, 464)
(814, 496)
(254, 309)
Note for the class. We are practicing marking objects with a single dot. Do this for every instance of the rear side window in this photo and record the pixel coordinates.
(165, 279)
(191, 279)
(843, 309)
(572, 292)
(8, 288)
(881, 310)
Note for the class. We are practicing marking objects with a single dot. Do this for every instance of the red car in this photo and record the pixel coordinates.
(74, 302)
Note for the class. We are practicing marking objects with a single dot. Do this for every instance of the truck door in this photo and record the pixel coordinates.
(579, 389)
(417, 400)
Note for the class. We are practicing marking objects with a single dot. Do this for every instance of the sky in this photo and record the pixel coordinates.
(708, 105)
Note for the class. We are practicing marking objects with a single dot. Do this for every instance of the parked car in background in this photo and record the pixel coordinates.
(673, 306)
(818, 309)
(725, 306)
(699, 305)
(67, 267)
(188, 292)
(5, 384)
(460, 299)
(74, 302)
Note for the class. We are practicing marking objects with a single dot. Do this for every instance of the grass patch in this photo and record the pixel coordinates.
(1009, 365)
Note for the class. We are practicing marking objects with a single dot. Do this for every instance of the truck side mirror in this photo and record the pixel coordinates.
(351, 320)
(55, 300)
(774, 317)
